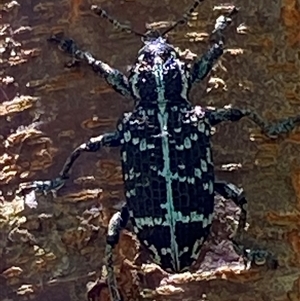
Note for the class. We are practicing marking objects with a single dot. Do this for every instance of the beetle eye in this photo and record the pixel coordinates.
(148, 57)
(166, 55)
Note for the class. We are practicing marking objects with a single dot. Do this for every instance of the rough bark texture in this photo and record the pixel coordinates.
(52, 251)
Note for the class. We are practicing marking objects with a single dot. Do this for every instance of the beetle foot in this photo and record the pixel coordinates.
(68, 46)
(47, 186)
(260, 257)
(221, 24)
(64, 44)
(255, 257)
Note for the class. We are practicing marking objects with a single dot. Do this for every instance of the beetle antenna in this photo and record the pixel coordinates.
(184, 18)
(102, 13)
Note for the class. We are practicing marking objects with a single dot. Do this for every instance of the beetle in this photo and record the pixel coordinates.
(165, 148)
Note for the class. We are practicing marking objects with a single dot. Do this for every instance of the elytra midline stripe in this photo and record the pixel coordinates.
(166, 172)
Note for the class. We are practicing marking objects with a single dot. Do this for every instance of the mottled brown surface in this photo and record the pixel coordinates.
(47, 110)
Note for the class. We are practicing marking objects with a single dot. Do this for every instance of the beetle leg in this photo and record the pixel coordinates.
(271, 130)
(251, 257)
(231, 191)
(205, 63)
(113, 77)
(116, 224)
(93, 145)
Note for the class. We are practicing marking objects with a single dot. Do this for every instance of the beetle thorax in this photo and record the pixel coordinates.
(159, 75)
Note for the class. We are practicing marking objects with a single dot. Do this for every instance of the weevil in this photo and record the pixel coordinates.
(165, 148)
